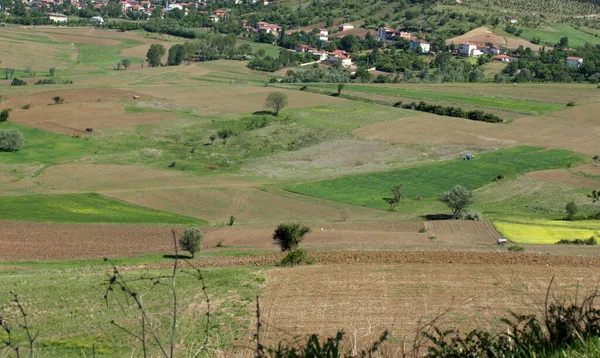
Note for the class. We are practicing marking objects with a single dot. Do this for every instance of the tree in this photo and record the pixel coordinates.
(177, 54)
(58, 100)
(4, 114)
(289, 236)
(52, 71)
(340, 88)
(595, 195)
(397, 195)
(457, 199)
(571, 209)
(155, 54)
(564, 42)
(225, 134)
(277, 100)
(11, 140)
(126, 62)
(191, 241)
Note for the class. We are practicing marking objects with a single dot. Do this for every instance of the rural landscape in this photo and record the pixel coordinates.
(318, 179)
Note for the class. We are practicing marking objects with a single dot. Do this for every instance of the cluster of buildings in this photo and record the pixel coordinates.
(388, 35)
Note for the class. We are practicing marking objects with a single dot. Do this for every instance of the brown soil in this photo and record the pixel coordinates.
(365, 299)
(466, 242)
(574, 129)
(482, 35)
(573, 177)
(83, 108)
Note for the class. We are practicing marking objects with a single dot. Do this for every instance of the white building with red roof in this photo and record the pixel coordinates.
(573, 61)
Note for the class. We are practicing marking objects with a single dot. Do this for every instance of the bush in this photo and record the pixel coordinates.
(571, 209)
(58, 100)
(53, 81)
(5, 114)
(191, 241)
(588, 242)
(27, 106)
(11, 140)
(571, 104)
(295, 257)
(18, 82)
(516, 248)
(289, 236)
(469, 215)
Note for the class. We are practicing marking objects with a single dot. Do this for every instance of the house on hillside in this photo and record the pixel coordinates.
(418, 45)
(340, 56)
(469, 49)
(574, 61)
(305, 48)
(264, 26)
(345, 27)
(512, 20)
(388, 35)
(57, 17)
(97, 20)
(502, 58)
(323, 34)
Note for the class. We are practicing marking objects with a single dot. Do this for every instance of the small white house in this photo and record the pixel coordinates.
(574, 61)
(502, 58)
(97, 20)
(421, 46)
(467, 49)
(513, 20)
(345, 27)
(57, 17)
(323, 34)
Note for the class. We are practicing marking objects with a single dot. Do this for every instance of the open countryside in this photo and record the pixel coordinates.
(437, 163)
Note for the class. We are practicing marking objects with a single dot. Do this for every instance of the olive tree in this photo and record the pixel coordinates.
(277, 101)
(191, 241)
(11, 140)
(4, 114)
(457, 199)
(289, 236)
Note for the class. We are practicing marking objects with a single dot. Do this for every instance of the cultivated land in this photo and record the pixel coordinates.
(69, 198)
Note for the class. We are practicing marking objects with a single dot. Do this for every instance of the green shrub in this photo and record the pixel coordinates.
(591, 242)
(571, 209)
(18, 82)
(11, 140)
(422, 230)
(516, 248)
(27, 106)
(191, 241)
(4, 114)
(571, 104)
(469, 215)
(58, 100)
(295, 257)
(289, 236)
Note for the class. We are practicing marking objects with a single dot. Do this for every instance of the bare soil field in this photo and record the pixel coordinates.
(482, 35)
(365, 299)
(248, 204)
(83, 108)
(567, 176)
(574, 129)
(229, 99)
(462, 242)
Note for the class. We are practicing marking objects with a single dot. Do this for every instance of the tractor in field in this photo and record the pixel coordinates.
(502, 241)
(469, 156)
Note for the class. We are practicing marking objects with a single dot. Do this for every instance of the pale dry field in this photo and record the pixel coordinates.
(574, 129)
(482, 35)
(367, 298)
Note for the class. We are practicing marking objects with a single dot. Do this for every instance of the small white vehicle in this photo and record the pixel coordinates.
(502, 241)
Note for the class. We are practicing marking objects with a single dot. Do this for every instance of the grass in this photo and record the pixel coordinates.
(577, 38)
(85, 208)
(500, 103)
(270, 50)
(105, 55)
(67, 309)
(431, 180)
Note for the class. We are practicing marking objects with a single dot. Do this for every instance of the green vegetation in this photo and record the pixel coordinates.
(521, 106)
(191, 241)
(431, 180)
(577, 37)
(71, 317)
(104, 55)
(11, 140)
(85, 208)
(545, 231)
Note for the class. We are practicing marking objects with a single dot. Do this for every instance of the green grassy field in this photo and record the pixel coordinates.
(105, 55)
(431, 180)
(577, 38)
(66, 308)
(84, 208)
(507, 104)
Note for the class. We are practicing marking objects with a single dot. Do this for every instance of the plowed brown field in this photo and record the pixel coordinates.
(363, 300)
(573, 129)
(574, 177)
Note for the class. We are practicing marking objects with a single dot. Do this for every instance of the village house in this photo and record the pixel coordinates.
(57, 17)
(502, 58)
(387, 34)
(264, 26)
(345, 27)
(305, 48)
(323, 34)
(512, 20)
(418, 45)
(253, 2)
(574, 61)
(97, 20)
(340, 56)
(469, 49)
